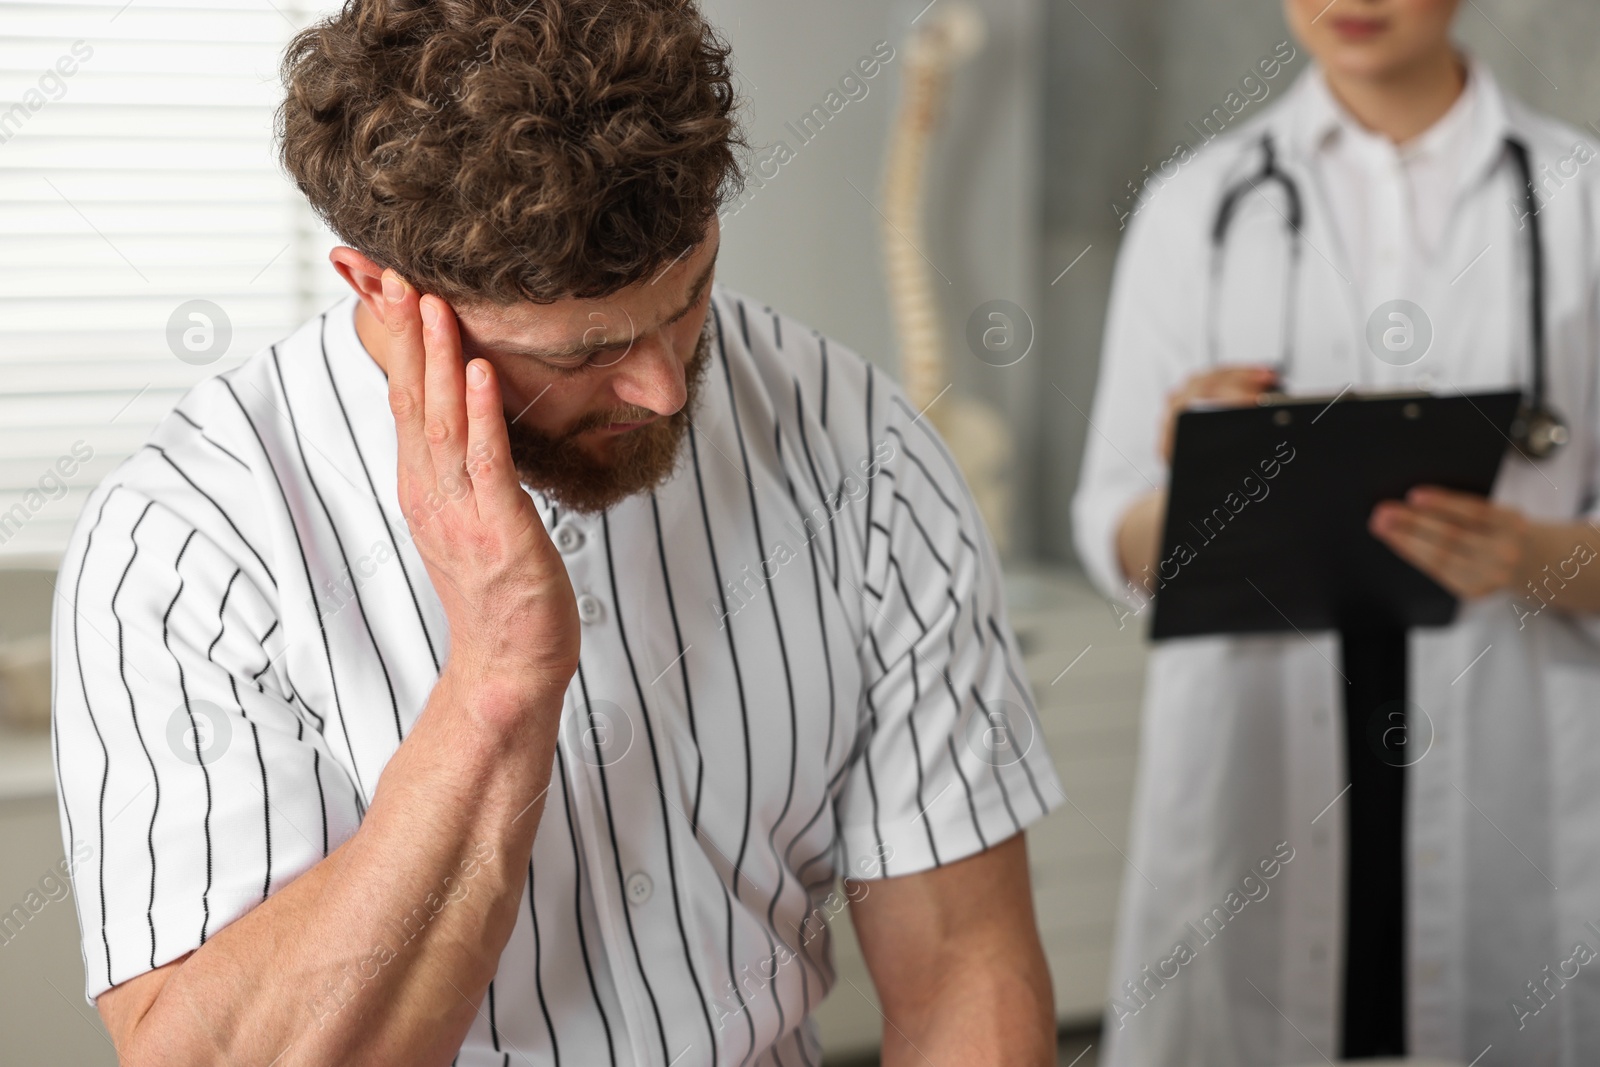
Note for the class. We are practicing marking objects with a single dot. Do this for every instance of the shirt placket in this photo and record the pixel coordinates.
(608, 748)
(592, 732)
(1390, 266)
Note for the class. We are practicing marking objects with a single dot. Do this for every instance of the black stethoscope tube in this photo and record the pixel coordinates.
(1538, 431)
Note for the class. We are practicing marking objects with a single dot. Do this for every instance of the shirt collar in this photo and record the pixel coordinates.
(1475, 127)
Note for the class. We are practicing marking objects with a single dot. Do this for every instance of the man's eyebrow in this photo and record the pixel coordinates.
(582, 348)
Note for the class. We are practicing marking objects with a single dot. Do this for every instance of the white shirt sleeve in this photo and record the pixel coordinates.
(950, 759)
(1154, 338)
(191, 785)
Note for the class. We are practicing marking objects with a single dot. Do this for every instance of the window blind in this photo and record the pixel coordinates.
(148, 238)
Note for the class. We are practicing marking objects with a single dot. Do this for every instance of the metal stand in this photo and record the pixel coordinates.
(1375, 928)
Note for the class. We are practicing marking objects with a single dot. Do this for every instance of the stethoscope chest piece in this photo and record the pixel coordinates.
(1538, 431)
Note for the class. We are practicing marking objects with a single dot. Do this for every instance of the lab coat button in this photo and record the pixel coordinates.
(639, 887)
(1427, 857)
(1319, 953)
(1319, 837)
(590, 610)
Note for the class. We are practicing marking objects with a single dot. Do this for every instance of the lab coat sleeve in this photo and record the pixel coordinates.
(1154, 339)
(1590, 622)
(1591, 464)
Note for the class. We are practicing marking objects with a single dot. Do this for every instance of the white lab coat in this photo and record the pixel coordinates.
(1242, 750)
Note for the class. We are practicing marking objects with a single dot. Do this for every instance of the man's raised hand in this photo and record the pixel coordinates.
(513, 617)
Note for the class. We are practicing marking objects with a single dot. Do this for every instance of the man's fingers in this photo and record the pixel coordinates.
(494, 478)
(444, 408)
(406, 392)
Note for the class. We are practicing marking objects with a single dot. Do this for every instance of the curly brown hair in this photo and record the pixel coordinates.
(509, 150)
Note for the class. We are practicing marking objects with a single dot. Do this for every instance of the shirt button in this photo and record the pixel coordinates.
(1319, 837)
(568, 539)
(639, 887)
(590, 610)
(1427, 857)
(1319, 953)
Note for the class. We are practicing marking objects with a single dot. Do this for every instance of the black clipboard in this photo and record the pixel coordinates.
(1266, 523)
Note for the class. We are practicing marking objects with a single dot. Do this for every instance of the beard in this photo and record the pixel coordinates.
(635, 462)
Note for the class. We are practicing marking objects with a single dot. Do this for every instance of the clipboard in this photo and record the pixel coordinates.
(1266, 523)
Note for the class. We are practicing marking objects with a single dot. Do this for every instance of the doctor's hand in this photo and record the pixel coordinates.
(1463, 542)
(1238, 385)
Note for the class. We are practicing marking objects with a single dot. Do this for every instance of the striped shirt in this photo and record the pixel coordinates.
(796, 666)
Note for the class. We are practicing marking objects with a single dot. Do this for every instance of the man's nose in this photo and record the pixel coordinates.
(651, 376)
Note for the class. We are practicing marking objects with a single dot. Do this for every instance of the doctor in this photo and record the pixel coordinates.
(1398, 158)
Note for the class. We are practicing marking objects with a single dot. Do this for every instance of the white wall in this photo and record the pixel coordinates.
(809, 243)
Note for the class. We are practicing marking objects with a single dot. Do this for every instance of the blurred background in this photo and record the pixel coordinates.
(144, 180)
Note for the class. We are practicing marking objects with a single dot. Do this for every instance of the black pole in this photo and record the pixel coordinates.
(1375, 738)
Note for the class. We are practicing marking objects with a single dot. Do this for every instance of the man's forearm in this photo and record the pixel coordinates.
(381, 952)
(988, 1011)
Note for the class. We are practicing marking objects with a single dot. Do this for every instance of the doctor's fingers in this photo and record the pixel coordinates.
(1237, 386)
(1468, 562)
(1469, 509)
(1440, 529)
(1467, 577)
(1227, 382)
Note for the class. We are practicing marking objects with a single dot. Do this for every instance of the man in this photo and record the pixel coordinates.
(552, 746)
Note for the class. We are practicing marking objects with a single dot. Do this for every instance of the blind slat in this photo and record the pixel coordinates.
(133, 178)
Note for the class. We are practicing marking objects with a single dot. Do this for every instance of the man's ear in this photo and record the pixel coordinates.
(363, 276)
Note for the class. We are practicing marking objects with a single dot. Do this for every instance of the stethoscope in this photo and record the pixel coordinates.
(1538, 430)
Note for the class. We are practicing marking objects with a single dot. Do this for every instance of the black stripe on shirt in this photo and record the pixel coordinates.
(355, 446)
(205, 772)
(133, 717)
(305, 564)
(105, 754)
(208, 439)
(655, 764)
(616, 856)
(344, 557)
(538, 970)
(577, 905)
(213, 501)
